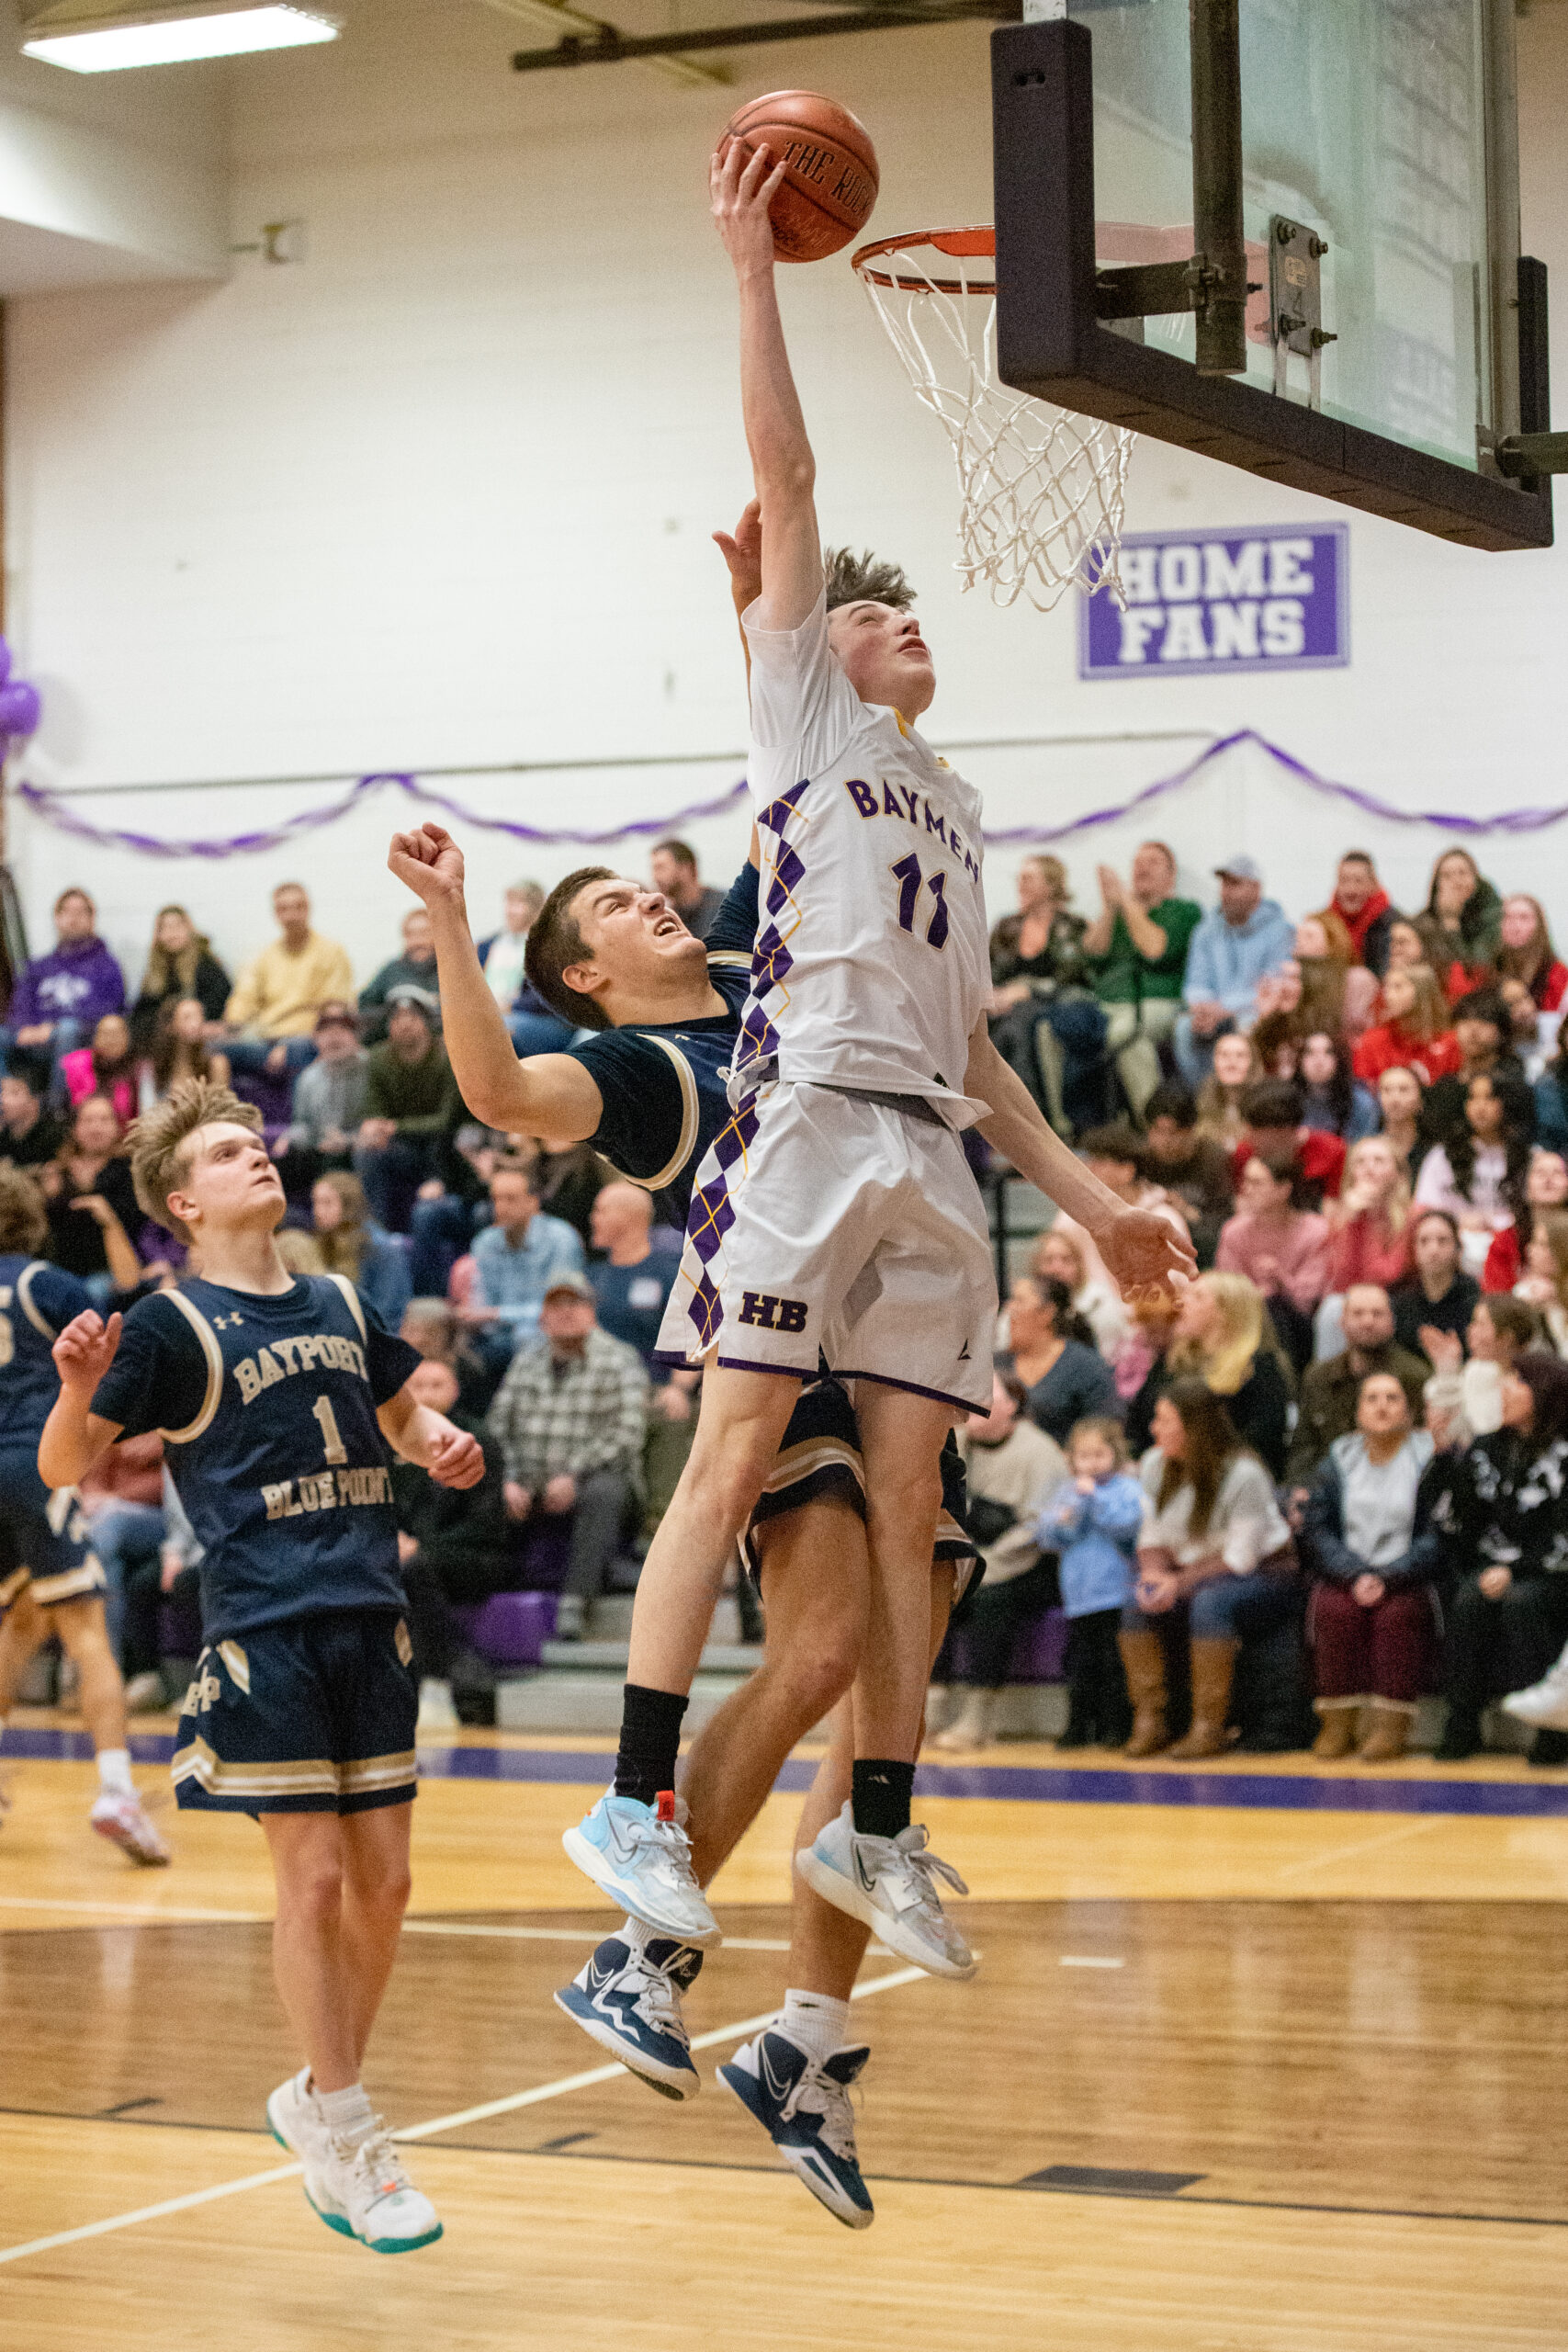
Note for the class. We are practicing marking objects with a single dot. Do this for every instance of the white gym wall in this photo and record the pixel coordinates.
(437, 493)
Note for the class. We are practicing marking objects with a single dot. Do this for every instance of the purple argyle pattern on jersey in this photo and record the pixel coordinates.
(772, 960)
(713, 1213)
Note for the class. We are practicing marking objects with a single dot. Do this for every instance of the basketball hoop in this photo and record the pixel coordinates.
(1041, 490)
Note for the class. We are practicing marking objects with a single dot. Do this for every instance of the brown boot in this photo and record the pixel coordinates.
(1213, 1663)
(1338, 1737)
(1390, 1734)
(1143, 1657)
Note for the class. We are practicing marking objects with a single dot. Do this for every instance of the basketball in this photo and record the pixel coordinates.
(829, 185)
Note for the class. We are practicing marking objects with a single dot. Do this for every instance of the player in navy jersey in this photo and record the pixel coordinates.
(50, 1579)
(648, 1090)
(281, 1401)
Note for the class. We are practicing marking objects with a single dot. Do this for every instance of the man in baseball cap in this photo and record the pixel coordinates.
(569, 1419)
(1239, 944)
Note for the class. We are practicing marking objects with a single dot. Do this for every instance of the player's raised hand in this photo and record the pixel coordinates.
(429, 861)
(742, 188)
(743, 554)
(85, 1351)
(456, 1458)
(1144, 1251)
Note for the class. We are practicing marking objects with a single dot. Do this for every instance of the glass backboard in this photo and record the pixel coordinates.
(1379, 210)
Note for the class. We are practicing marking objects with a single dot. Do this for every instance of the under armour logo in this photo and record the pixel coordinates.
(770, 1313)
(226, 1322)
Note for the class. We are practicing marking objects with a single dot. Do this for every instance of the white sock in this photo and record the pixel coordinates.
(635, 1933)
(349, 2114)
(114, 1771)
(816, 2021)
(433, 1687)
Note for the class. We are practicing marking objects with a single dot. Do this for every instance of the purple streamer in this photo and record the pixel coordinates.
(58, 811)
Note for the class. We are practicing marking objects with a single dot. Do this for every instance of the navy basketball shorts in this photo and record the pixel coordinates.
(315, 1715)
(820, 1456)
(46, 1544)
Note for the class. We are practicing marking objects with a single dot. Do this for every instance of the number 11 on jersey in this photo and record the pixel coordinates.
(910, 880)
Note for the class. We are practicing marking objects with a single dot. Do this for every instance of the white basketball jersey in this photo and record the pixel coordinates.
(872, 963)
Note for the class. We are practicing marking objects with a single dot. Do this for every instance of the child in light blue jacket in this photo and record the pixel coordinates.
(1092, 1521)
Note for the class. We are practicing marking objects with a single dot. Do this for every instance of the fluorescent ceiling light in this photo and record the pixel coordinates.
(176, 41)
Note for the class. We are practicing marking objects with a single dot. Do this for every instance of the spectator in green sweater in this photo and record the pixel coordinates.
(411, 1111)
(1137, 951)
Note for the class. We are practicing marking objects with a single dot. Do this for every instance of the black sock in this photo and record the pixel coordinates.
(650, 1739)
(880, 1793)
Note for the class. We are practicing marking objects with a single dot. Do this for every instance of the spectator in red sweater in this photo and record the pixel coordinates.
(1273, 1120)
(1363, 906)
(1370, 1223)
(1414, 1029)
(1546, 1188)
(1526, 953)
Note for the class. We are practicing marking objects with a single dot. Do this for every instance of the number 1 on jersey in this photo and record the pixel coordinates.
(910, 879)
(336, 1450)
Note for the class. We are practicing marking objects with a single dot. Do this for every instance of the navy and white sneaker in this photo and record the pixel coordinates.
(642, 1858)
(628, 1999)
(803, 2105)
(889, 1883)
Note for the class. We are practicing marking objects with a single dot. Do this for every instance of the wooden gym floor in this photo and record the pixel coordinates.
(1261, 2057)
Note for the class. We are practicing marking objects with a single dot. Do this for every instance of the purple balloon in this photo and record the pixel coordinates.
(18, 708)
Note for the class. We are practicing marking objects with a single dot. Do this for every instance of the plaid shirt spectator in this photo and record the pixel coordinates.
(575, 1413)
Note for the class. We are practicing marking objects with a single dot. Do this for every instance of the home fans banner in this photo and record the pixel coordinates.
(1270, 599)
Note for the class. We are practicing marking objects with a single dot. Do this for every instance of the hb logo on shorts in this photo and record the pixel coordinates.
(772, 1314)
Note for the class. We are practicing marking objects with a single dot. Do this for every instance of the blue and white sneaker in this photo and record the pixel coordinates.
(642, 1858)
(890, 1885)
(628, 1999)
(803, 2105)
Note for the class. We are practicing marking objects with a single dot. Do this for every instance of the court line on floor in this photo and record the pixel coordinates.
(1358, 1846)
(187, 1913)
(453, 2122)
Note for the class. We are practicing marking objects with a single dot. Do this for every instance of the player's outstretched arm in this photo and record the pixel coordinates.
(782, 467)
(75, 1437)
(452, 1456)
(549, 1096)
(1141, 1250)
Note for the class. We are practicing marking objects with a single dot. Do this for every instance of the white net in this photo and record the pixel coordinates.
(1041, 490)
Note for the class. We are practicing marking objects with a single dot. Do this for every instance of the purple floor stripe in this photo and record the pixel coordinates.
(1278, 1792)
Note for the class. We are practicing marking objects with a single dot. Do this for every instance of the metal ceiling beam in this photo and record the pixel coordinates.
(606, 46)
(572, 24)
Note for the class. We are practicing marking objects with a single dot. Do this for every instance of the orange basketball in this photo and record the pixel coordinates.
(829, 186)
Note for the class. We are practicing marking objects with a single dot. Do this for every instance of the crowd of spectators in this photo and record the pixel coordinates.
(1333, 1472)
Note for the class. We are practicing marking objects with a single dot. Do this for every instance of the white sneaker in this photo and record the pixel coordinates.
(642, 1858)
(144, 1694)
(295, 2120)
(1545, 1703)
(124, 1821)
(362, 2192)
(889, 1883)
(436, 1710)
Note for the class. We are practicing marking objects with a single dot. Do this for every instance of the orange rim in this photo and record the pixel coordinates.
(959, 244)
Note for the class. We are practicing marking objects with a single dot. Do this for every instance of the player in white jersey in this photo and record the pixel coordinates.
(836, 1211)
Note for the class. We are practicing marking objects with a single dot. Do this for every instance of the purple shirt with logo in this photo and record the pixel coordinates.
(80, 981)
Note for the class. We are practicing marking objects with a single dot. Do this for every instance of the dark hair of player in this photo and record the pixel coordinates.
(864, 578)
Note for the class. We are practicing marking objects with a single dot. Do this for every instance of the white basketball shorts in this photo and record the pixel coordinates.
(835, 1222)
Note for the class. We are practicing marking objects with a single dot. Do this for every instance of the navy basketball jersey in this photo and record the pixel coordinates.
(664, 1085)
(267, 1407)
(37, 1301)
